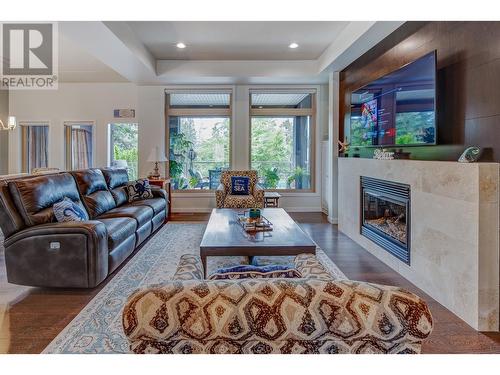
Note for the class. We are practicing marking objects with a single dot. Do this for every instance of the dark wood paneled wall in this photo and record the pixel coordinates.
(468, 83)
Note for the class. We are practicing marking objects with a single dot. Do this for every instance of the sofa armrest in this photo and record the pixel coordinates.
(71, 254)
(220, 195)
(158, 192)
(190, 268)
(287, 316)
(258, 193)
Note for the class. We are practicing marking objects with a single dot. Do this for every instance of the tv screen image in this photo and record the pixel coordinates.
(369, 114)
(398, 108)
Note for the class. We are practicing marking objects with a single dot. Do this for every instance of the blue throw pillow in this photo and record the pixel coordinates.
(255, 272)
(139, 189)
(67, 210)
(240, 185)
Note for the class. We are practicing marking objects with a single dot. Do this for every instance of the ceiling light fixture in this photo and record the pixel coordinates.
(293, 45)
(181, 45)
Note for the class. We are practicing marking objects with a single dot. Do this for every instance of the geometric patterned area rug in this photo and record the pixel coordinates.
(98, 327)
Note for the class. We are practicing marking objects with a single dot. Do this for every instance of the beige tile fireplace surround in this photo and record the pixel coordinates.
(454, 230)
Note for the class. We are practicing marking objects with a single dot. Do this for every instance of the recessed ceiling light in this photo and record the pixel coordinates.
(293, 45)
(181, 45)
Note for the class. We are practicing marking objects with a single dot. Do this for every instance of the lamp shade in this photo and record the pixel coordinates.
(156, 155)
(120, 164)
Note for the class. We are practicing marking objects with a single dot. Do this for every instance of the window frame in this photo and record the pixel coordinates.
(24, 146)
(68, 145)
(288, 112)
(197, 112)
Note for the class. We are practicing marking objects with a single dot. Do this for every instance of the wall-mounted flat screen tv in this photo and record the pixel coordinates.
(398, 108)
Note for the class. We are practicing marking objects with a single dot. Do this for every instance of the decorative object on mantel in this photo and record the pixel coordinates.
(400, 154)
(470, 155)
(124, 113)
(156, 156)
(11, 123)
(343, 148)
(383, 154)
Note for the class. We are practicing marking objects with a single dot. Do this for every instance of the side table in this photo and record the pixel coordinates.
(271, 199)
(164, 184)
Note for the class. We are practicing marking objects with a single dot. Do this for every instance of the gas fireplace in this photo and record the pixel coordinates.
(385, 215)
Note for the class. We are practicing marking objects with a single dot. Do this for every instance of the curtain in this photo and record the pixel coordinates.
(38, 152)
(81, 140)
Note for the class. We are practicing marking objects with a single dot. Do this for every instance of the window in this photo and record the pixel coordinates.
(198, 135)
(124, 147)
(282, 134)
(79, 145)
(35, 146)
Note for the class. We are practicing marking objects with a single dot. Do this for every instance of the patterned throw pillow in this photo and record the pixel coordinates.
(240, 185)
(67, 210)
(139, 189)
(255, 272)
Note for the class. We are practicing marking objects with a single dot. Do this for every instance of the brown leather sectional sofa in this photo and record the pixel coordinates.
(39, 251)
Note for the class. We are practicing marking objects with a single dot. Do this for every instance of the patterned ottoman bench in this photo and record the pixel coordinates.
(312, 314)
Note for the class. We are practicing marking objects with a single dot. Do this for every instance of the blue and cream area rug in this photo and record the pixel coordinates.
(98, 327)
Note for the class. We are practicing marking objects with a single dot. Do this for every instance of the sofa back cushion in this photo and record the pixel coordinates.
(34, 196)
(117, 180)
(94, 191)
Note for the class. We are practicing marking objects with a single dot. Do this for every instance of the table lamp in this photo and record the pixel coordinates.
(156, 156)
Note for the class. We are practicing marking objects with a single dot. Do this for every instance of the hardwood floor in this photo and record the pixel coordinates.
(31, 317)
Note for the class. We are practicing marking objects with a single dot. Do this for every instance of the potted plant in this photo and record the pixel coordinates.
(271, 178)
(179, 149)
(298, 177)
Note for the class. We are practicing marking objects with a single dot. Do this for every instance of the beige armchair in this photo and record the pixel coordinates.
(225, 199)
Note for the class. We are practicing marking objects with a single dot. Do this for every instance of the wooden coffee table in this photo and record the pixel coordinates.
(225, 237)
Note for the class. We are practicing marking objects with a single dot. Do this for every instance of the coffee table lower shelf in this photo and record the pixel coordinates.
(251, 252)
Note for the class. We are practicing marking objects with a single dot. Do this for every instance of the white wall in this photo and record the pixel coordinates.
(71, 102)
(96, 101)
(333, 131)
(4, 135)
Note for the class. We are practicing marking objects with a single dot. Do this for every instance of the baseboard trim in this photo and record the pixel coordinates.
(333, 220)
(189, 210)
(183, 210)
(302, 209)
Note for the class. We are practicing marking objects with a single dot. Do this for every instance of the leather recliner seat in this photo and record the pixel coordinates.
(42, 252)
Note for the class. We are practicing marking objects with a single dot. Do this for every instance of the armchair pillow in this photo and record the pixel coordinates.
(67, 210)
(139, 189)
(240, 185)
(255, 272)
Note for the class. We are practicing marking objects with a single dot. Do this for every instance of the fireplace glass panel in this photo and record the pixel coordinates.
(385, 215)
